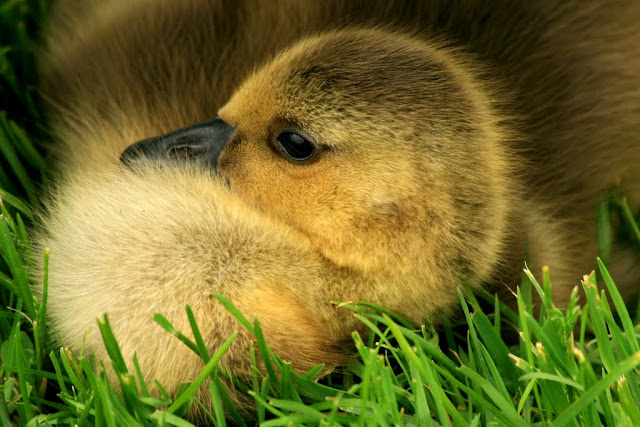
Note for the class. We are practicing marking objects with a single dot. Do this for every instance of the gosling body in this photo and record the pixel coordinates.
(449, 136)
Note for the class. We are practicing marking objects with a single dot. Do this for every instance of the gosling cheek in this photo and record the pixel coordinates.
(230, 164)
(224, 163)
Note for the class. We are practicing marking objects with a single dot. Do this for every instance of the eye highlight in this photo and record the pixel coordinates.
(296, 146)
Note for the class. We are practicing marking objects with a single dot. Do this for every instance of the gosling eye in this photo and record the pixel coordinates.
(296, 146)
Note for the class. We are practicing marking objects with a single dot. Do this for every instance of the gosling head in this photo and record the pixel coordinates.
(381, 149)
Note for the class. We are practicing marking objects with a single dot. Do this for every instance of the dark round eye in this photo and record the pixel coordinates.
(296, 146)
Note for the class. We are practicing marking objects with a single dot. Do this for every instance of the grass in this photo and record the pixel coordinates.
(553, 372)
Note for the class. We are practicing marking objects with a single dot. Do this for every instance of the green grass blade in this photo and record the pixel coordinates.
(10, 254)
(110, 343)
(228, 305)
(620, 306)
(168, 326)
(201, 346)
(628, 216)
(208, 369)
(576, 408)
(16, 203)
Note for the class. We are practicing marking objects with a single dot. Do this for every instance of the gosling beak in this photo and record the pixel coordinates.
(200, 144)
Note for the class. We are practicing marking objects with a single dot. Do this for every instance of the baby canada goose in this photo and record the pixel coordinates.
(383, 151)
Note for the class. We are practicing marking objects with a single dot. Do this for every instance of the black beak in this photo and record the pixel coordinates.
(200, 144)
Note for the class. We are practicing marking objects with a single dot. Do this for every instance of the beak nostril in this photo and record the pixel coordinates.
(182, 152)
(187, 151)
